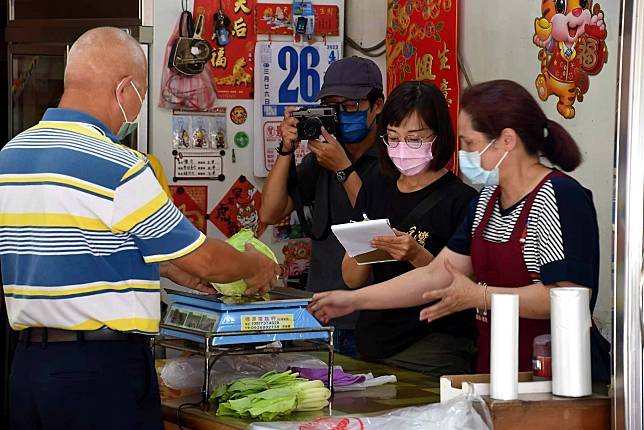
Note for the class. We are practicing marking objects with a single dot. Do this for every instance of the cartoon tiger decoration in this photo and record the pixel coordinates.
(571, 38)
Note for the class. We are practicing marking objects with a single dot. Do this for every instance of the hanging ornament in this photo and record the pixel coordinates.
(303, 19)
(222, 22)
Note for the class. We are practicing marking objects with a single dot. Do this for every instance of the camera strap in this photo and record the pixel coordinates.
(299, 206)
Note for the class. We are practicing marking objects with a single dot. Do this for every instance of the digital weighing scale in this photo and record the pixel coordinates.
(214, 326)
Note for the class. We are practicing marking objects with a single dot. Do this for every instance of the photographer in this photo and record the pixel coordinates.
(330, 177)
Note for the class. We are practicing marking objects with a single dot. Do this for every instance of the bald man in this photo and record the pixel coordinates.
(86, 231)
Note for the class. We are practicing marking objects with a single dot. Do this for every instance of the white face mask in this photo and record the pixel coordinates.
(470, 166)
(128, 127)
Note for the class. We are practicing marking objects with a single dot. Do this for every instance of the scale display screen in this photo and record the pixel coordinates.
(191, 318)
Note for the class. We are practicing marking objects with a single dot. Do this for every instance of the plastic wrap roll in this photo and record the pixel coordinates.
(504, 347)
(570, 334)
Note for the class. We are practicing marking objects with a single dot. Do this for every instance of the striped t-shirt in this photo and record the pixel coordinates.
(84, 225)
(561, 235)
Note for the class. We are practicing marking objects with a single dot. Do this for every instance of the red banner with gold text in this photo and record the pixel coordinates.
(422, 43)
(232, 65)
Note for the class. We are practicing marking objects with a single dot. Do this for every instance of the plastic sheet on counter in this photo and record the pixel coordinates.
(465, 412)
(186, 373)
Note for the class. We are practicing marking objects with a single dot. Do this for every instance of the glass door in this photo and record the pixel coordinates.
(628, 352)
(36, 76)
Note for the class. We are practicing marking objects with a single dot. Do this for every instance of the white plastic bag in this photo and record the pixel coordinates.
(183, 373)
(465, 412)
(229, 368)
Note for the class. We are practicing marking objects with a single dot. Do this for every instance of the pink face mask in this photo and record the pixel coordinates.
(411, 161)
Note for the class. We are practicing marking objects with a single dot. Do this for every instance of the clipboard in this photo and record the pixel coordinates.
(355, 238)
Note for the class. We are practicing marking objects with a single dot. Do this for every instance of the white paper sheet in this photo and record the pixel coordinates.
(355, 236)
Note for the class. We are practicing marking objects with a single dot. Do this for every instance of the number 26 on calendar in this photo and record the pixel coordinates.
(302, 82)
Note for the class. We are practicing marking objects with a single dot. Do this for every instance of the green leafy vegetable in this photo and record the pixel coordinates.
(238, 241)
(270, 397)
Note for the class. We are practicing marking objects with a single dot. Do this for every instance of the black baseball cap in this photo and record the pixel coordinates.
(352, 77)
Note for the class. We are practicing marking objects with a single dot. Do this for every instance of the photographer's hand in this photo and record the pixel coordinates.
(289, 129)
(331, 155)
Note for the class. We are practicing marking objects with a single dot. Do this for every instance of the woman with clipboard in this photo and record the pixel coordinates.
(425, 203)
(532, 228)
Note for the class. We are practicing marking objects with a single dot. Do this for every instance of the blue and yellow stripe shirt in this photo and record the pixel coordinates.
(84, 225)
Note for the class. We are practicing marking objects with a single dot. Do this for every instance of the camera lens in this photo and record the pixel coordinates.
(312, 128)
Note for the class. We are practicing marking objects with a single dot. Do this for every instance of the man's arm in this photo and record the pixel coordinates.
(276, 202)
(332, 156)
(185, 279)
(216, 261)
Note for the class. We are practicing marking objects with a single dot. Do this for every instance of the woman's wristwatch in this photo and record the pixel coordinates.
(280, 149)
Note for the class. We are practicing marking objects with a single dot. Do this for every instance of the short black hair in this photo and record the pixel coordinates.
(374, 95)
(428, 101)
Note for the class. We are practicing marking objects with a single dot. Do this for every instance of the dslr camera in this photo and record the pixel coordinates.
(312, 119)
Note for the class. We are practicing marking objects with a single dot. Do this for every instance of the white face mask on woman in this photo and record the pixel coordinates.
(128, 127)
(470, 166)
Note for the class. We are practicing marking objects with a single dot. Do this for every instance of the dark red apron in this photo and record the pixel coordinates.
(502, 265)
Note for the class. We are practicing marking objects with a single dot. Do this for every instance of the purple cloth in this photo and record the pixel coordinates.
(340, 378)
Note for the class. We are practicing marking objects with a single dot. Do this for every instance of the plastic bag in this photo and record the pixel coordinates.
(465, 412)
(183, 92)
(230, 368)
(183, 372)
(179, 372)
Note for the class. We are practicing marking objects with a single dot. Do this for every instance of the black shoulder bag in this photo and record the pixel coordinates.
(299, 207)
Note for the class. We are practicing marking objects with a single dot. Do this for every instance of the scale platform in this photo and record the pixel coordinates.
(241, 320)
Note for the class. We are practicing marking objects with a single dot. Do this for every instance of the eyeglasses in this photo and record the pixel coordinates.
(346, 106)
(413, 142)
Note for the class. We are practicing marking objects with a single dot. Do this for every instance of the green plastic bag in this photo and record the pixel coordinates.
(238, 241)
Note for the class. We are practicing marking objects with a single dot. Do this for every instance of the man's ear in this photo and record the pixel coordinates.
(378, 105)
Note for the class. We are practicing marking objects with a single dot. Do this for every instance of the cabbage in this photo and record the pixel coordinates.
(238, 241)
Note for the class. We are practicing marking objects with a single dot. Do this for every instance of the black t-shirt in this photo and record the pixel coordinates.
(329, 205)
(383, 333)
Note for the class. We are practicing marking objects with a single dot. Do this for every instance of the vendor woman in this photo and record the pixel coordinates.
(425, 203)
(532, 228)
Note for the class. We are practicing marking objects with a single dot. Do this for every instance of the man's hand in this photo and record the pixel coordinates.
(331, 155)
(289, 130)
(401, 247)
(264, 272)
(185, 279)
(332, 304)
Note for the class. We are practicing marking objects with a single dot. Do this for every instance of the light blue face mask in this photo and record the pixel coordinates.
(470, 166)
(353, 126)
(128, 127)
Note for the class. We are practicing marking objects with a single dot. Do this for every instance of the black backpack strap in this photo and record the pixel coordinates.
(296, 195)
(428, 204)
(186, 26)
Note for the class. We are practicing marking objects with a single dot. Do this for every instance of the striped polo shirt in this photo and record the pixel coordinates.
(84, 225)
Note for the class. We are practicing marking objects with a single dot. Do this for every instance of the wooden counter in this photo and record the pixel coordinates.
(545, 411)
(533, 411)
